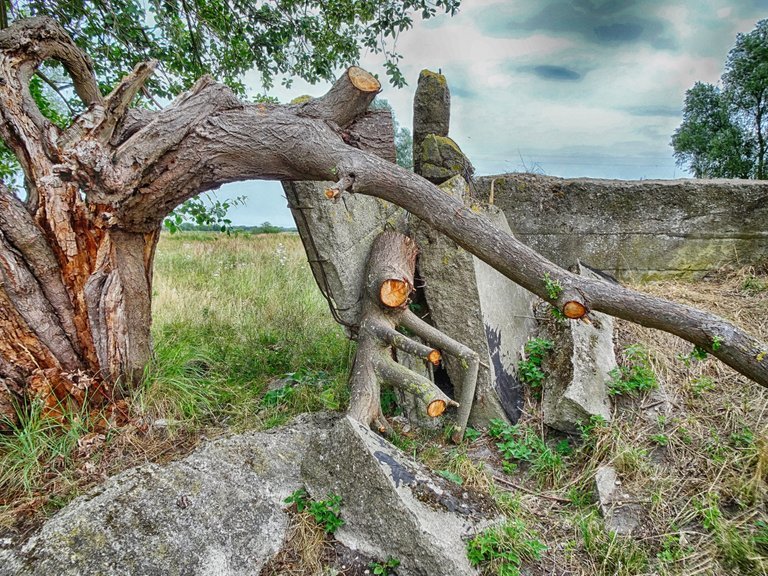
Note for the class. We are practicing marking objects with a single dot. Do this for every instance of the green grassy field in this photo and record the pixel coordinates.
(243, 340)
(232, 315)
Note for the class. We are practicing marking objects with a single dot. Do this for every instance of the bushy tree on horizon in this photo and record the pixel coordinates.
(724, 132)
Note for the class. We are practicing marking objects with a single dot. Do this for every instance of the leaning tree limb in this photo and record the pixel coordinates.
(99, 191)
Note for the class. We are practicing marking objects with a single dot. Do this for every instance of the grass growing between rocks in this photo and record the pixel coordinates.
(242, 340)
(689, 443)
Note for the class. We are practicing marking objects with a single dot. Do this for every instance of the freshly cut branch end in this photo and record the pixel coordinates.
(394, 293)
(436, 408)
(574, 310)
(362, 80)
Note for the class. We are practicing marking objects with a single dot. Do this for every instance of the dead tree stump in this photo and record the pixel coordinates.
(388, 283)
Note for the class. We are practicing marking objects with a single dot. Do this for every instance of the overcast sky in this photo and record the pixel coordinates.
(567, 88)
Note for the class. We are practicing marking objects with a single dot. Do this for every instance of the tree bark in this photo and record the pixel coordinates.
(76, 256)
(393, 260)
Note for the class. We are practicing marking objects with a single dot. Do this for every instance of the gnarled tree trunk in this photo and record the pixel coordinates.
(76, 255)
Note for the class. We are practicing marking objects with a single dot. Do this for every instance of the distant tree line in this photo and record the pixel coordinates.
(263, 228)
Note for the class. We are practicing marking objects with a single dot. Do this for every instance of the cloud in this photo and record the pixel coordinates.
(557, 73)
(611, 23)
(670, 111)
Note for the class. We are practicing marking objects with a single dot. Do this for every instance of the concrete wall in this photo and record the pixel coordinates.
(636, 229)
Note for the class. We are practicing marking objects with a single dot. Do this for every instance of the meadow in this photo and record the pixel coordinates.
(244, 340)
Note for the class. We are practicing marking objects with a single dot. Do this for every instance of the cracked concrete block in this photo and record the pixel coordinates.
(337, 236)
(218, 511)
(578, 370)
(479, 307)
(621, 514)
(392, 505)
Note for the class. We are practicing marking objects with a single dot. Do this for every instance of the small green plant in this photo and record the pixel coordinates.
(529, 368)
(522, 444)
(702, 384)
(699, 353)
(384, 568)
(717, 341)
(552, 286)
(635, 375)
(753, 285)
(278, 396)
(505, 548)
(557, 314)
(470, 434)
(452, 476)
(660, 439)
(325, 512)
(673, 550)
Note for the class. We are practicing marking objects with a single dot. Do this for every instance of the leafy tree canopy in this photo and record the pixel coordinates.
(724, 129)
(226, 38)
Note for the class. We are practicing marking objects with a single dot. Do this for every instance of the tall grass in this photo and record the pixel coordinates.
(231, 315)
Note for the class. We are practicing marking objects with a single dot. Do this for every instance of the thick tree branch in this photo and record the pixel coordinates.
(32, 41)
(469, 359)
(272, 142)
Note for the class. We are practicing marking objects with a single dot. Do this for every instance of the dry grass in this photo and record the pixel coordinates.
(693, 454)
(306, 551)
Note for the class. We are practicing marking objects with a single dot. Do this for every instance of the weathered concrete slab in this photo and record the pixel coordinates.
(481, 308)
(636, 230)
(578, 370)
(392, 506)
(217, 512)
(337, 236)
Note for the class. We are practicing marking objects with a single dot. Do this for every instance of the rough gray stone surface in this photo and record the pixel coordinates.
(431, 109)
(636, 230)
(217, 512)
(392, 506)
(439, 158)
(479, 307)
(620, 514)
(337, 236)
(578, 370)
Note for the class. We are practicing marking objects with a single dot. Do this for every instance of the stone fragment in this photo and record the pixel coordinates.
(578, 370)
(392, 506)
(218, 511)
(431, 109)
(479, 307)
(620, 513)
(440, 158)
(337, 236)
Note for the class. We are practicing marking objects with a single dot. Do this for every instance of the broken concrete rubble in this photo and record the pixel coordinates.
(221, 510)
(578, 370)
(393, 507)
(218, 511)
(479, 307)
(620, 513)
